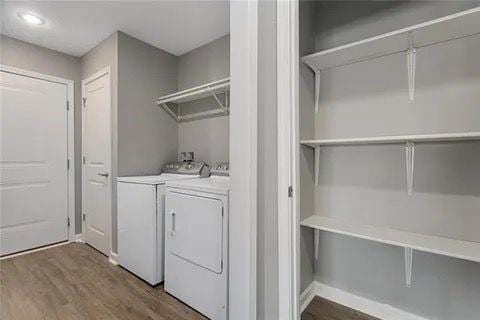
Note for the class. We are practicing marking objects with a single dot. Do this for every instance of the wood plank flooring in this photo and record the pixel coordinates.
(322, 309)
(74, 281)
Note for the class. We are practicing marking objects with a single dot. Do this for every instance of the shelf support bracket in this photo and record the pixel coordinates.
(316, 242)
(317, 164)
(167, 108)
(411, 66)
(408, 266)
(409, 165)
(218, 101)
(317, 90)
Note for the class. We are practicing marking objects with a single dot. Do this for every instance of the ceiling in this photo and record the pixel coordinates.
(75, 27)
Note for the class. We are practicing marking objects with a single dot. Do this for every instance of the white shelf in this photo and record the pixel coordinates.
(440, 137)
(211, 89)
(196, 93)
(462, 24)
(465, 250)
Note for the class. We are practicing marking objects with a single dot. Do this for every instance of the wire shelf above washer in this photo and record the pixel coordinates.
(211, 89)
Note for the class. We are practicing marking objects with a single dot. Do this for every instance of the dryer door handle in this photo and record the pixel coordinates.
(172, 232)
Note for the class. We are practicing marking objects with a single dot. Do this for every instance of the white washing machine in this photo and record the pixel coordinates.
(196, 242)
(140, 212)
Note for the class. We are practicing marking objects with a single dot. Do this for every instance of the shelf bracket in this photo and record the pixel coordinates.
(411, 66)
(408, 266)
(409, 165)
(218, 101)
(316, 242)
(317, 164)
(317, 90)
(167, 108)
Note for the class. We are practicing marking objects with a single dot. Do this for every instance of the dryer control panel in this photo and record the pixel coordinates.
(220, 169)
(189, 167)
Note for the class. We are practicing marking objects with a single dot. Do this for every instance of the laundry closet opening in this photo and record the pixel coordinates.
(385, 169)
(116, 142)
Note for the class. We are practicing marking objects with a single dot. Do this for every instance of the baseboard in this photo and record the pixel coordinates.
(13, 255)
(371, 307)
(113, 258)
(78, 237)
(307, 296)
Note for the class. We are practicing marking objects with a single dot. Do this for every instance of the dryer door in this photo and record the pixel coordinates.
(194, 226)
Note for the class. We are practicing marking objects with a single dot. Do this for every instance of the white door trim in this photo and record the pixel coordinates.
(100, 73)
(243, 160)
(288, 160)
(71, 136)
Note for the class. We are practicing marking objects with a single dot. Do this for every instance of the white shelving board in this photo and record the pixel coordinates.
(211, 89)
(455, 26)
(465, 250)
(440, 137)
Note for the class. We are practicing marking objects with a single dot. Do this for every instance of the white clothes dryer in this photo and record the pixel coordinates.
(196, 242)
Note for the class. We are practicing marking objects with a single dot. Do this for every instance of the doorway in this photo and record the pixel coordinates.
(36, 161)
(96, 159)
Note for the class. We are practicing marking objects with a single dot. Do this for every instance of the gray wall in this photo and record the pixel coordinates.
(147, 135)
(267, 240)
(208, 138)
(103, 55)
(307, 130)
(23, 55)
(371, 98)
(144, 136)
(205, 64)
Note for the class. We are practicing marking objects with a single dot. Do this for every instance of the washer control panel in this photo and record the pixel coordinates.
(189, 167)
(220, 169)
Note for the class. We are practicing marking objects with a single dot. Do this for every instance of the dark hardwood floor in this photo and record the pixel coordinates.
(322, 309)
(74, 281)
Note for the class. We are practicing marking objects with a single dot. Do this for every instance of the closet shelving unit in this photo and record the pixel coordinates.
(455, 26)
(211, 89)
(459, 25)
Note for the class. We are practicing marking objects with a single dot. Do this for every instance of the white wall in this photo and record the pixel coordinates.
(267, 244)
(367, 183)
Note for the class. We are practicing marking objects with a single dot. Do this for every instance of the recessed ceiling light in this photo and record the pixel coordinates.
(31, 18)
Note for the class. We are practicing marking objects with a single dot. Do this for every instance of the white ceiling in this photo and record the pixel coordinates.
(75, 27)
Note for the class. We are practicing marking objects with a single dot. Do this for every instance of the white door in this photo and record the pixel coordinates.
(194, 226)
(33, 163)
(97, 183)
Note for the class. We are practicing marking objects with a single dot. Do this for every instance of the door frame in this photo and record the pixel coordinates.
(242, 284)
(288, 159)
(103, 72)
(70, 139)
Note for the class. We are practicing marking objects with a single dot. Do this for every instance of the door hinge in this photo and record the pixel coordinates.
(68, 105)
(68, 222)
(222, 211)
(84, 102)
(83, 217)
(83, 160)
(290, 191)
(68, 164)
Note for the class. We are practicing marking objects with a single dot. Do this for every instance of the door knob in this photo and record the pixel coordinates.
(105, 174)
